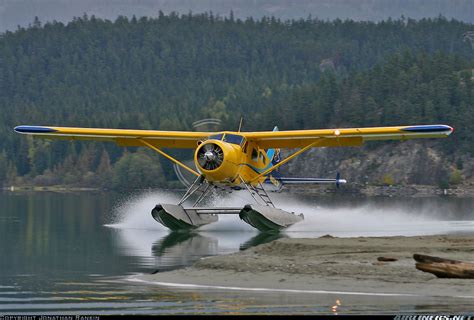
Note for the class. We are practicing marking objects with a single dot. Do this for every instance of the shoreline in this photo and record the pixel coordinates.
(50, 188)
(414, 191)
(329, 265)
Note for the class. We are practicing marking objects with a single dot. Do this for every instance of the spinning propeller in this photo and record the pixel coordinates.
(210, 156)
(211, 125)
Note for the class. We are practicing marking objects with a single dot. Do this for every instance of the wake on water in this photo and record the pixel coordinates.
(346, 221)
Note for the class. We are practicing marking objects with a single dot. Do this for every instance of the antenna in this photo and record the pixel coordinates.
(240, 124)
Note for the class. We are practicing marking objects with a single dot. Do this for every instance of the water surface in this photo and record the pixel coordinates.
(72, 252)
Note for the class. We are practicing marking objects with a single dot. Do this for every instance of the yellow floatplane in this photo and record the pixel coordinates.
(236, 160)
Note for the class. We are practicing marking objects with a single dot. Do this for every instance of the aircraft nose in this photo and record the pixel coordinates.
(210, 156)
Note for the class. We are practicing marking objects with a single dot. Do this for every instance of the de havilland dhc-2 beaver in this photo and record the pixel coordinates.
(236, 160)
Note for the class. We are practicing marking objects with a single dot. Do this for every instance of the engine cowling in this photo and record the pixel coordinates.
(217, 160)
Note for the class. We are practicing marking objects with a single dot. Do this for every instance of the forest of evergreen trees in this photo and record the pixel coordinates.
(164, 73)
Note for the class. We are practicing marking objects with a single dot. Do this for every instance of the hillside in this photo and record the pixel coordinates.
(164, 73)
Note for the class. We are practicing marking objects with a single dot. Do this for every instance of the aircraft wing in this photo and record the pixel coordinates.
(344, 137)
(123, 137)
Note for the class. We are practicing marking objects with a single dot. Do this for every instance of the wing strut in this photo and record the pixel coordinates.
(264, 173)
(149, 145)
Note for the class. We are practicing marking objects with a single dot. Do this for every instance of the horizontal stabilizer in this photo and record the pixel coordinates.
(279, 181)
(310, 180)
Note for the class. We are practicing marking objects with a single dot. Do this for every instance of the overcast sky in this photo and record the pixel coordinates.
(22, 12)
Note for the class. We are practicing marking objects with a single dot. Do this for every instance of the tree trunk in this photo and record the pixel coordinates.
(444, 268)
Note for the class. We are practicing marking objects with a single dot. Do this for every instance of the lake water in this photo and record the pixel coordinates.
(72, 253)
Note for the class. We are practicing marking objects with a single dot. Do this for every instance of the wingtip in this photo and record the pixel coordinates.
(441, 128)
(33, 129)
(18, 129)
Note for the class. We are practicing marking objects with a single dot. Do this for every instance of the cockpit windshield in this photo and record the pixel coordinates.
(233, 138)
(230, 138)
(216, 136)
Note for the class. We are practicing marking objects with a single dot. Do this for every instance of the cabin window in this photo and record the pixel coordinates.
(244, 148)
(262, 156)
(254, 155)
(233, 138)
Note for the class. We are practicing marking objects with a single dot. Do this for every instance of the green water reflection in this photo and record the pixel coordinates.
(49, 233)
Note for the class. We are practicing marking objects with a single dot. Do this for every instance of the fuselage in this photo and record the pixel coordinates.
(230, 159)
